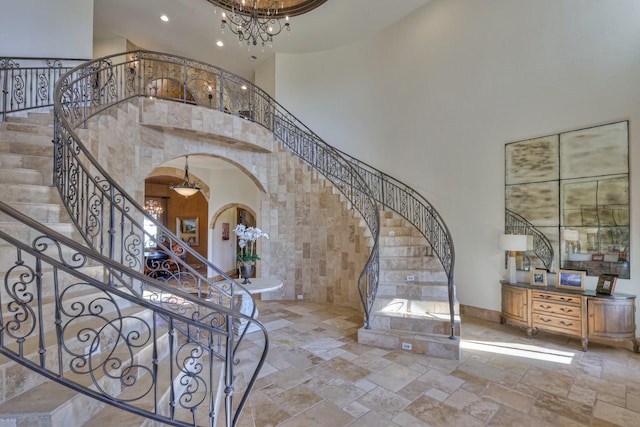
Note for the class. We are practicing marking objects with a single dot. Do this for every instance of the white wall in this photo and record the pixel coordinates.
(433, 100)
(227, 186)
(106, 47)
(32, 28)
(265, 76)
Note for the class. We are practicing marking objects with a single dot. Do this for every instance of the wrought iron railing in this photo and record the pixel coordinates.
(144, 73)
(27, 83)
(124, 339)
(100, 84)
(517, 224)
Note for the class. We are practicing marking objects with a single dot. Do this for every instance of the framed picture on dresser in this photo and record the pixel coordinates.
(571, 279)
(538, 277)
(606, 284)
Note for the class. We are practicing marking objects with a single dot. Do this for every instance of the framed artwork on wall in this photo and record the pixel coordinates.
(571, 279)
(538, 277)
(188, 230)
(225, 231)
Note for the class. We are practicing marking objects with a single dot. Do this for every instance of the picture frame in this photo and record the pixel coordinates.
(225, 231)
(571, 279)
(606, 284)
(597, 257)
(538, 277)
(188, 230)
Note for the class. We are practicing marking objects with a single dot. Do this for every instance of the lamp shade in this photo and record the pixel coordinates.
(513, 242)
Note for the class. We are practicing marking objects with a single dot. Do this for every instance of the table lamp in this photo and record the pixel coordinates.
(513, 243)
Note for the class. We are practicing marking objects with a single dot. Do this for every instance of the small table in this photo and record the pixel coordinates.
(257, 286)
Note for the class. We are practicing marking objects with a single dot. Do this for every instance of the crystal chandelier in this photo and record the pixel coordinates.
(185, 187)
(258, 21)
(153, 207)
(245, 22)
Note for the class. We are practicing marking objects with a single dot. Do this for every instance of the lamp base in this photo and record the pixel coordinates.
(511, 270)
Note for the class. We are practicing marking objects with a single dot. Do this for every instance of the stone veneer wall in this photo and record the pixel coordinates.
(316, 243)
(317, 246)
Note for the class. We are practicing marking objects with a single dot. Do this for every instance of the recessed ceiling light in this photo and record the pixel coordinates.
(164, 18)
(243, 87)
(219, 43)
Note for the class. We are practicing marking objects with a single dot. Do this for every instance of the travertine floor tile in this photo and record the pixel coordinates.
(317, 374)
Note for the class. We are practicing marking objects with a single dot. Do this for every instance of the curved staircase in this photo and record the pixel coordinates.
(411, 310)
(406, 286)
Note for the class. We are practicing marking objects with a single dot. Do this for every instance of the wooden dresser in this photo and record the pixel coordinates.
(583, 314)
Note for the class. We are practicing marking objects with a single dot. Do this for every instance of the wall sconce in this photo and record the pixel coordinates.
(513, 243)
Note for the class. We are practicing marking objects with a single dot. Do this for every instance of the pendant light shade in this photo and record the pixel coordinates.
(185, 187)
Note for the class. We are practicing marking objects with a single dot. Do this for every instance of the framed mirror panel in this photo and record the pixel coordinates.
(570, 193)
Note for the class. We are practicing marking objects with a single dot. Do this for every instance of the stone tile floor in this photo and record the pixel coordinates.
(317, 374)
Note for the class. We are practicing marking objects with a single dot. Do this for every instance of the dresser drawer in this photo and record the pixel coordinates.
(562, 299)
(559, 324)
(546, 307)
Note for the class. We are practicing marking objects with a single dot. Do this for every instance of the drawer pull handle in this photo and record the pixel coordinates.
(566, 299)
(566, 310)
(546, 307)
(545, 320)
(562, 322)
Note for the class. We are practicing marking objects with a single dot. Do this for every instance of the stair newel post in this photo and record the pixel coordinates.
(5, 73)
(112, 230)
(228, 366)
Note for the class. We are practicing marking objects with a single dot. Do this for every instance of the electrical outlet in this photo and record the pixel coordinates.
(392, 233)
(406, 346)
(299, 296)
(411, 278)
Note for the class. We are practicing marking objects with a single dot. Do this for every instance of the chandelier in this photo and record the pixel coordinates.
(185, 187)
(258, 21)
(153, 207)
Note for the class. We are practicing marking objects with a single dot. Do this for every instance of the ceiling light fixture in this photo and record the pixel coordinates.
(219, 43)
(185, 187)
(164, 18)
(258, 21)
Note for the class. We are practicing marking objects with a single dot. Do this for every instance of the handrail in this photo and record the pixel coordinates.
(97, 338)
(100, 84)
(30, 87)
(412, 206)
(517, 224)
(108, 218)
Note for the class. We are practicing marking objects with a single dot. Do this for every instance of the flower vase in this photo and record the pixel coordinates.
(246, 271)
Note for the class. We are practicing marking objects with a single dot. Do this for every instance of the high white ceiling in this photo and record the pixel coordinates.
(193, 29)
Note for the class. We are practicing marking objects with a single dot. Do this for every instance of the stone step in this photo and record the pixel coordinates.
(29, 127)
(426, 324)
(23, 176)
(414, 306)
(42, 164)
(402, 241)
(429, 345)
(48, 213)
(38, 139)
(415, 290)
(26, 193)
(395, 231)
(409, 263)
(41, 118)
(392, 222)
(25, 233)
(413, 275)
(26, 148)
(405, 251)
